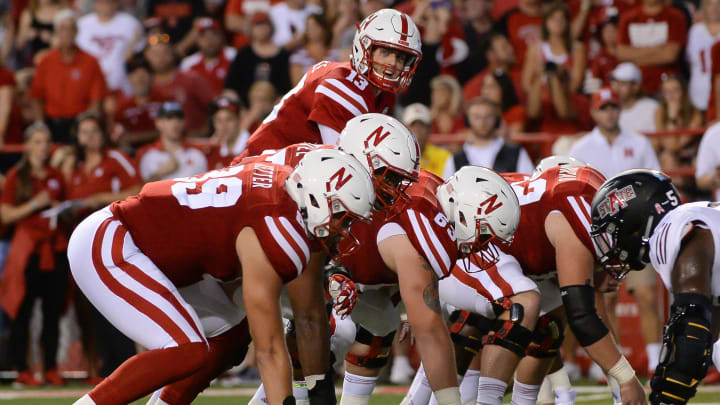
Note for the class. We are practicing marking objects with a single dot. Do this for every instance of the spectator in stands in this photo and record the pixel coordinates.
(523, 26)
(655, 54)
(446, 105)
(484, 145)
(261, 60)
(588, 16)
(500, 57)
(703, 34)
(7, 32)
(98, 176)
(316, 47)
(707, 167)
(637, 113)
(237, 18)
(111, 36)
(212, 60)
(10, 115)
(176, 15)
(135, 114)
(35, 29)
(676, 112)
(476, 29)
(344, 25)
(288, 19)
(262, 97)
(418, 119)
(606, 60)
(229, 139)
(190, 89)
(67, 80)
(553, 72)
(170, 157)
(612, 148)
(498, 87)
(36, 265)
(556, 48)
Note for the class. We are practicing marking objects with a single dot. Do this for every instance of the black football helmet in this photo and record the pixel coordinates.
(625, 211)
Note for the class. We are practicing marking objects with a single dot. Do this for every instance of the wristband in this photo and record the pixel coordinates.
(622, 371)
(33, 205)
(448, 396)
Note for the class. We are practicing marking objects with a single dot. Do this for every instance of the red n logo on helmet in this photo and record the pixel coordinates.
(378, 135)
(339, 178)
(491, 206)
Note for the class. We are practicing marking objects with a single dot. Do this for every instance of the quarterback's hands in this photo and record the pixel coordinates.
(632, 393)
(342, 294)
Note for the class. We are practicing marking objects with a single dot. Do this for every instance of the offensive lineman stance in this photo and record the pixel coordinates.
(250, 221)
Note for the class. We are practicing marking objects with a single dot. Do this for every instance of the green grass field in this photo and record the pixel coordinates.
(589, 395)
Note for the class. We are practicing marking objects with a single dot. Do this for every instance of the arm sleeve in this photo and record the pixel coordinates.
(708, 157)
(678, 29)
(336, 101)
(431, 237)
(285, 244)
(623, 38)
(9, 187)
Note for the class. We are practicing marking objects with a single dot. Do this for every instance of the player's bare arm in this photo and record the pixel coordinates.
(311, 329)
(419, 291)
(688, 334)
(261, 293)
(575, 265)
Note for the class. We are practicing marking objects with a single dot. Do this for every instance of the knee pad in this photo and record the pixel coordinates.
(472, 342)
(509, 333)
(547, 338)
(375, 357)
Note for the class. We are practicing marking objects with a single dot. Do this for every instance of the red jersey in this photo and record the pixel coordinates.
(136, 117)
(330, 94)
(602, 66)
(522, 30)
(568, 190)
(214, 72)
(188, 226)
(288, 156)
(422, 220)
(638, 29)
(52, 183)
(114, 173)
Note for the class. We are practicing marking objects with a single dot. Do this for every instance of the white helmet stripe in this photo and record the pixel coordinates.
(343, 88)
(338, 99)
(284, 244)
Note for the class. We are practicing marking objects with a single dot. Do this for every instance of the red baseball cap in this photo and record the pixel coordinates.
(604, 96)
(260, 17)
(207, 23)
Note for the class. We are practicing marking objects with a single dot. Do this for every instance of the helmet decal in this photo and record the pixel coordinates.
(615, 201)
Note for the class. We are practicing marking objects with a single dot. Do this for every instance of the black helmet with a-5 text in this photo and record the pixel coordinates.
(625, 211)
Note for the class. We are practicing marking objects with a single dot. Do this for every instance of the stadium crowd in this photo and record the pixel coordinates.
(99, 97)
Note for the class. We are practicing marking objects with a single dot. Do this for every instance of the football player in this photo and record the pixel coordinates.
(385, 54)
(384, 147)
(251, 222)
(637, 219)
(553, 248)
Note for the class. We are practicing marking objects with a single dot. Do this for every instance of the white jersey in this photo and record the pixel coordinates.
(667, 238)
(697, 54)
(108, 42)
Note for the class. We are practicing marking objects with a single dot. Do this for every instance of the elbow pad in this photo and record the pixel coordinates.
(586, 325)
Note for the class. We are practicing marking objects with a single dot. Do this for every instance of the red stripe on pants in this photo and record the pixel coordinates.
(135, 300)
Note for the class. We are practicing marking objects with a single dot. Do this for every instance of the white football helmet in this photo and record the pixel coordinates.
(484, 211)
(332, 190)
(390, 29)
(557, 160)
(388, 150)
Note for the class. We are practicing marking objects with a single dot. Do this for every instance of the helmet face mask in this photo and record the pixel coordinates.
(626, 210)
(396, 32)
(390, 188)
(334, 235)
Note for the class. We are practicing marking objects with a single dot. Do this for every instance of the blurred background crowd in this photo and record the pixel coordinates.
(99, 96)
